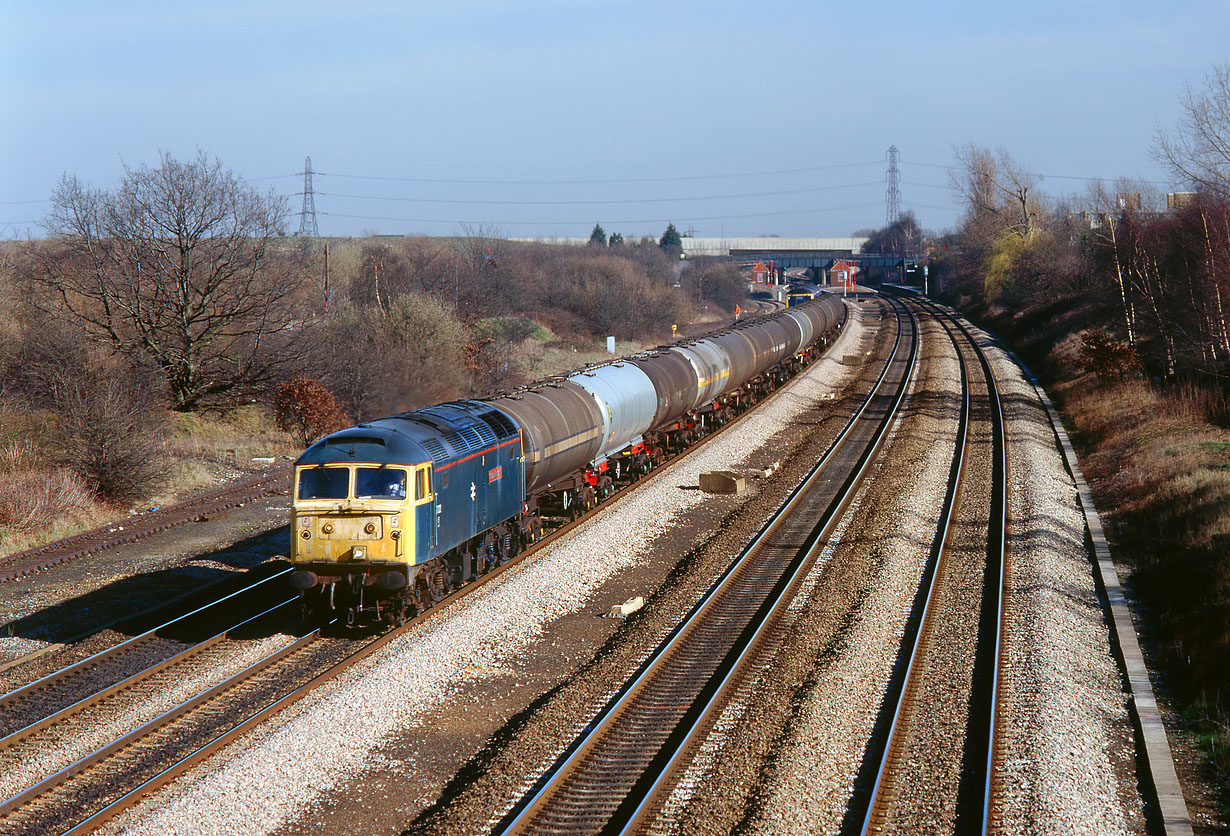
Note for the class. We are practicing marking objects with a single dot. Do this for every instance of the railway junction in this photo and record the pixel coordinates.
(897, 627)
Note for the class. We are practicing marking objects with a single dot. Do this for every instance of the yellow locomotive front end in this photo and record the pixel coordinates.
(353, 531)
(343, 514)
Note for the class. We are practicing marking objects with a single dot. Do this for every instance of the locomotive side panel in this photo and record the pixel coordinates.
(476, 492)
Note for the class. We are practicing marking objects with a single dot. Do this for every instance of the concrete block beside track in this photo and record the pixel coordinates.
(722, 481)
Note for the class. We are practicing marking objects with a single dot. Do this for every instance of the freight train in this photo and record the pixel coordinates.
(391, 515)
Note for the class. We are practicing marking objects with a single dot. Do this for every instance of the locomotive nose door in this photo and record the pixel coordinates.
(424, 511)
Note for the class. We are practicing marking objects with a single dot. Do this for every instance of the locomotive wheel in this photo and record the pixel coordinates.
(437, 583)
(450, 579)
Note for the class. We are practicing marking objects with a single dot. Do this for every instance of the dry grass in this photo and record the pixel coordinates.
(1160, 469)
(37, 502)
(40, 501)
(542, 353)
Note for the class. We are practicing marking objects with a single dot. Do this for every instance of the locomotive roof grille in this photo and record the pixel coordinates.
(499, 423)
(434, 448)
(472, 439)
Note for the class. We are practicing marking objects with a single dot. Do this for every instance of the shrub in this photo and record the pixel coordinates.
(306, 408)
(1108, 358)
(110, 435)
(32, 500)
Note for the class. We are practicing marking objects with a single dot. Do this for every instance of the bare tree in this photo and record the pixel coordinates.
(174, 267)
(1105, 228)
(1199, 149)
(478, 251)
(992, 183)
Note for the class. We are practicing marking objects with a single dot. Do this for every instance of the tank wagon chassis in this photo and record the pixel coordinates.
(390, 517)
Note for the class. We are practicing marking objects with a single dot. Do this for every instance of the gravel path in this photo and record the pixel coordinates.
(336, 735)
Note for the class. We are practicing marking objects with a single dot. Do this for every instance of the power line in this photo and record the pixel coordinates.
(598, 202)
(1044, 176)
(945, 186)
(608, 223)
(677, 178)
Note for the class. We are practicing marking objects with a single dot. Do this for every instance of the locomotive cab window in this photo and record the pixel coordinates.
(324, 483)
(422, 483)
(379, 483)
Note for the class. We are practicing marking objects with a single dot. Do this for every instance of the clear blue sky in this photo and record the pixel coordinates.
(737, 118)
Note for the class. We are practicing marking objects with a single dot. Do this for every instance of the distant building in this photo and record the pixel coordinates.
(1175, 201)
(1179, 200)
(841, 274)
(763, 272)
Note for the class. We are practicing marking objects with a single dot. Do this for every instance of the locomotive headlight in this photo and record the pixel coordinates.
(370, 528)
(327, 528)
(305, 534)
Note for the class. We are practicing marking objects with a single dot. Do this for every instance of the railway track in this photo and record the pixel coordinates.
(85, 793)
(276, 480)
(937, 760)
(618, 774)
(65, 693)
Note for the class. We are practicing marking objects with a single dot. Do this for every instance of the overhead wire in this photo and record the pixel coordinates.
(602, 181)
(609, 223)
(1046, 176)
(745, 196)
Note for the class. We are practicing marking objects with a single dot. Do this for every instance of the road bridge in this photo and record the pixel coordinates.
(815, 254)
